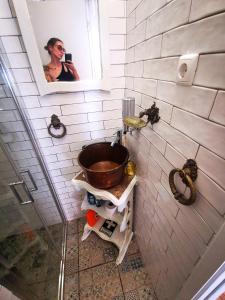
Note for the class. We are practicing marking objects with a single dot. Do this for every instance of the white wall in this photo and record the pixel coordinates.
(88, 116)
(173, 238)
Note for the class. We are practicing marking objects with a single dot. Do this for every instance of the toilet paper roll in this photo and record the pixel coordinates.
(110, 208)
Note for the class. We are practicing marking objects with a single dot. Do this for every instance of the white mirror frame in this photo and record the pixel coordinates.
(30, 42)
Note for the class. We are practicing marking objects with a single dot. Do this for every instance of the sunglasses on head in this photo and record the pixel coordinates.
(60, 48)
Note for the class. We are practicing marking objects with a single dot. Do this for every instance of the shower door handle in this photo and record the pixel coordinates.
(13, 188)
(35, 188)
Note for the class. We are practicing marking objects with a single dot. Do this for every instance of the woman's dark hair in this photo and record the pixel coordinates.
(51, 42)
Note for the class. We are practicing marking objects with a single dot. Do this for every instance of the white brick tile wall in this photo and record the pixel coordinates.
(212, 165)
(84, 127)
(145, 86)
(117, 70)
(28, 89)
(147, 8)
(131, 21)
(11, 44)
(117, 42)
(57, 99)
(71, 138)
(134, 69)
(137, 35)
(113, 124)
(5, 9)
(190, 127)
(154, 138)
(43, 112)
(73, 119)
(99, 116)
(164, 19)
(218, 112)
(117, 26)
(148, 49)
(179, 141)
(18, 60)
(216, 64)
(111, 105)
(81, 108)
(201, 8)
(117, 57)
(192, 37)
(197, 100)
(163, 69)
(211, 191)
(22, 75)
(8, 27)
(117, 8)
(202, 131)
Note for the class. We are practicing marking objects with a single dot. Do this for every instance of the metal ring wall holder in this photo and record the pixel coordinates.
(188, 175)
(56, 124)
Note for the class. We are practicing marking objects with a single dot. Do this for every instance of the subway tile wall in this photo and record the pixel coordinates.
(89, 116)
(172, 237)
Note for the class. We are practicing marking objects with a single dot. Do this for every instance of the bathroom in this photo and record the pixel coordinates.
(167, 53)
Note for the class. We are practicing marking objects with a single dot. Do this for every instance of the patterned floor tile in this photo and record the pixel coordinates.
(146, 293)
(86, 278)
(95, 251)
(72, 227)
(71, 286)
(120, 297)
(133, 247)
(132, 295)
(81, 223)
(72, 248)
(133, 274)
(99, 277)
(71, 266)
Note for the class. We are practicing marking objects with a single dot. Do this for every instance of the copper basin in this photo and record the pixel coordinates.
(103, 165)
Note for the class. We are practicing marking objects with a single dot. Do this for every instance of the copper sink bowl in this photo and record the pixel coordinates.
(103, 165)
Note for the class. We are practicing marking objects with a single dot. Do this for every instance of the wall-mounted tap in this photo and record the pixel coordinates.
(118, 138)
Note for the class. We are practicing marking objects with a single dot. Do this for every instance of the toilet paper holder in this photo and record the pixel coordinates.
(188, 175)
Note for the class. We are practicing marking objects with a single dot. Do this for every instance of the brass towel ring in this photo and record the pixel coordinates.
(56, 124)
(188, 175)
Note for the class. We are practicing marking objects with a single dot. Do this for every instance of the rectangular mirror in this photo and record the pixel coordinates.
(67, 43)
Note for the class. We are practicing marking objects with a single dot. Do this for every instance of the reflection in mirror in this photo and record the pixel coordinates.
(68, 38)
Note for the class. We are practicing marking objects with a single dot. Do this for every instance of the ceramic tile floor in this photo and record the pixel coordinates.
(91, 272)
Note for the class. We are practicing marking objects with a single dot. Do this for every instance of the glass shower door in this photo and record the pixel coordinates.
(29, 261)
(32, 224)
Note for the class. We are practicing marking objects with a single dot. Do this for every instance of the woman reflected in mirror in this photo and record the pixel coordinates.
(56, 70)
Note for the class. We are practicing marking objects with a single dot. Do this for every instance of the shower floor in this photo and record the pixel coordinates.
(91, 272)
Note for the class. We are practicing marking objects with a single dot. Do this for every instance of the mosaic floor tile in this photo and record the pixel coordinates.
(72, 227)
(71, 266)
(98, 277)
(133, 247)
(81, 223)
(133, 274)
(71, 285)
(146, 293)
(72, 247)
(132, 295)
(120, 297)
(95, 251)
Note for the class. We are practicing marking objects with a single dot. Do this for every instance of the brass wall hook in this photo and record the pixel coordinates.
(188, 175)
(56, 124)
(152, 113)
(137, 123)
